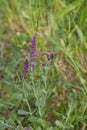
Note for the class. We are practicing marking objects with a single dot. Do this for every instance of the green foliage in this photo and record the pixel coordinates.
(54, 97)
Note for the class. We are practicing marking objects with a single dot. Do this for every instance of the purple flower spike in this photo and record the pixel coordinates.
(34, 42)
(33, 53)
(28, 129)
(25, 69)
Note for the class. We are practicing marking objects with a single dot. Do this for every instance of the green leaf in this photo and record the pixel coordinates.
(1, 68)
(81, 36)
(2, 126)
(59, 124)
(10, 122)
(23, 112)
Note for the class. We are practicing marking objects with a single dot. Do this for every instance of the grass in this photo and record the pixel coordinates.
(53, 97)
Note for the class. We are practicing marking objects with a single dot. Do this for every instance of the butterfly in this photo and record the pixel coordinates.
(50, 56)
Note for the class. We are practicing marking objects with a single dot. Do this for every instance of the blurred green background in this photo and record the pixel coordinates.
(60, 26)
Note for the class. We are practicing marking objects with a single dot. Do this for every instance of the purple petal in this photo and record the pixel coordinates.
(28, 129)
(33, 53)
(25, 69)
(34, 40)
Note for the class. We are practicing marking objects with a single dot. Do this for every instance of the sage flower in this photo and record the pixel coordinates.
(28, 129)
(33, 53)
(25, 69)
